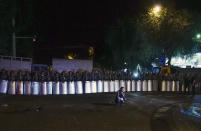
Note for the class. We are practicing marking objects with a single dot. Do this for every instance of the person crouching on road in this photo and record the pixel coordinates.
(120, 97)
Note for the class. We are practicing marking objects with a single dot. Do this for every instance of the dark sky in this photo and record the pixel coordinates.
(62, 21)
(66, 20)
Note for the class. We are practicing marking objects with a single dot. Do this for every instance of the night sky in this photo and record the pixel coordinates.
(61, 23)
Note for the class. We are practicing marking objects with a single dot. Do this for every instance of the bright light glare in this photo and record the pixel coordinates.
(157, 9)
(70, 57)
(198, 36)
(135, 74)
(193, 61)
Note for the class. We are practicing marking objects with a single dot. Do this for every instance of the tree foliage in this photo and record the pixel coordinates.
(143, 39)
(170, 30)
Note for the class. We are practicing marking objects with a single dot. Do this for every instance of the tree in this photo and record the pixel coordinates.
(168, 29)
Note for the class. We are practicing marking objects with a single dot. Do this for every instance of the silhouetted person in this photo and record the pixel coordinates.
(120, 97)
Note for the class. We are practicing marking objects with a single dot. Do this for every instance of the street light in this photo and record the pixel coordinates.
(198, 36)
(156, 9)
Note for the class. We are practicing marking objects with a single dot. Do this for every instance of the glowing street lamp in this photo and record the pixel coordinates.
(198, 36)
(156, 9)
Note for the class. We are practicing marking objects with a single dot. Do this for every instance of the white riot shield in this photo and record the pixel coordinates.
(155, 85)
(19, 88)
(128, 83)
(133, 88)
(150, 87)
(4, 86)
(106, 86)
(43, 88)
(11, 89)
(144, 85)
(164, 86)
(93, 87)
(177, 86)
(112, 86)
(100, 86)
(173, 86)
(71, 87)
(56, 90)
(183, 89)
(168, 85)
(35, 88)
(122, 84)
(49, 88)
(139, 85)
(116, 85)
(79, 87)
(63, 88)
(87, 87)
(27, 88)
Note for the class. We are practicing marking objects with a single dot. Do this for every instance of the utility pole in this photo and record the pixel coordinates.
(14, 38)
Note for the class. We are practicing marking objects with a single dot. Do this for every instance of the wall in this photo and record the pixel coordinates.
(69, 65)
(16, 63)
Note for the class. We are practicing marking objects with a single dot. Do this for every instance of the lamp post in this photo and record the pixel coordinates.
(197, 37)
(156, 11)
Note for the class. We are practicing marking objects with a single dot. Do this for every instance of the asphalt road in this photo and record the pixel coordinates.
(97, 112)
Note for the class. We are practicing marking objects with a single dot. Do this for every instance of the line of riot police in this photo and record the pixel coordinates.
(47, 83)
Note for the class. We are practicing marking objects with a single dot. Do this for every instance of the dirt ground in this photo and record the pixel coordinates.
(97, 112)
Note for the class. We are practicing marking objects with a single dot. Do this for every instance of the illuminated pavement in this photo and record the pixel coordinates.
(97, 112)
